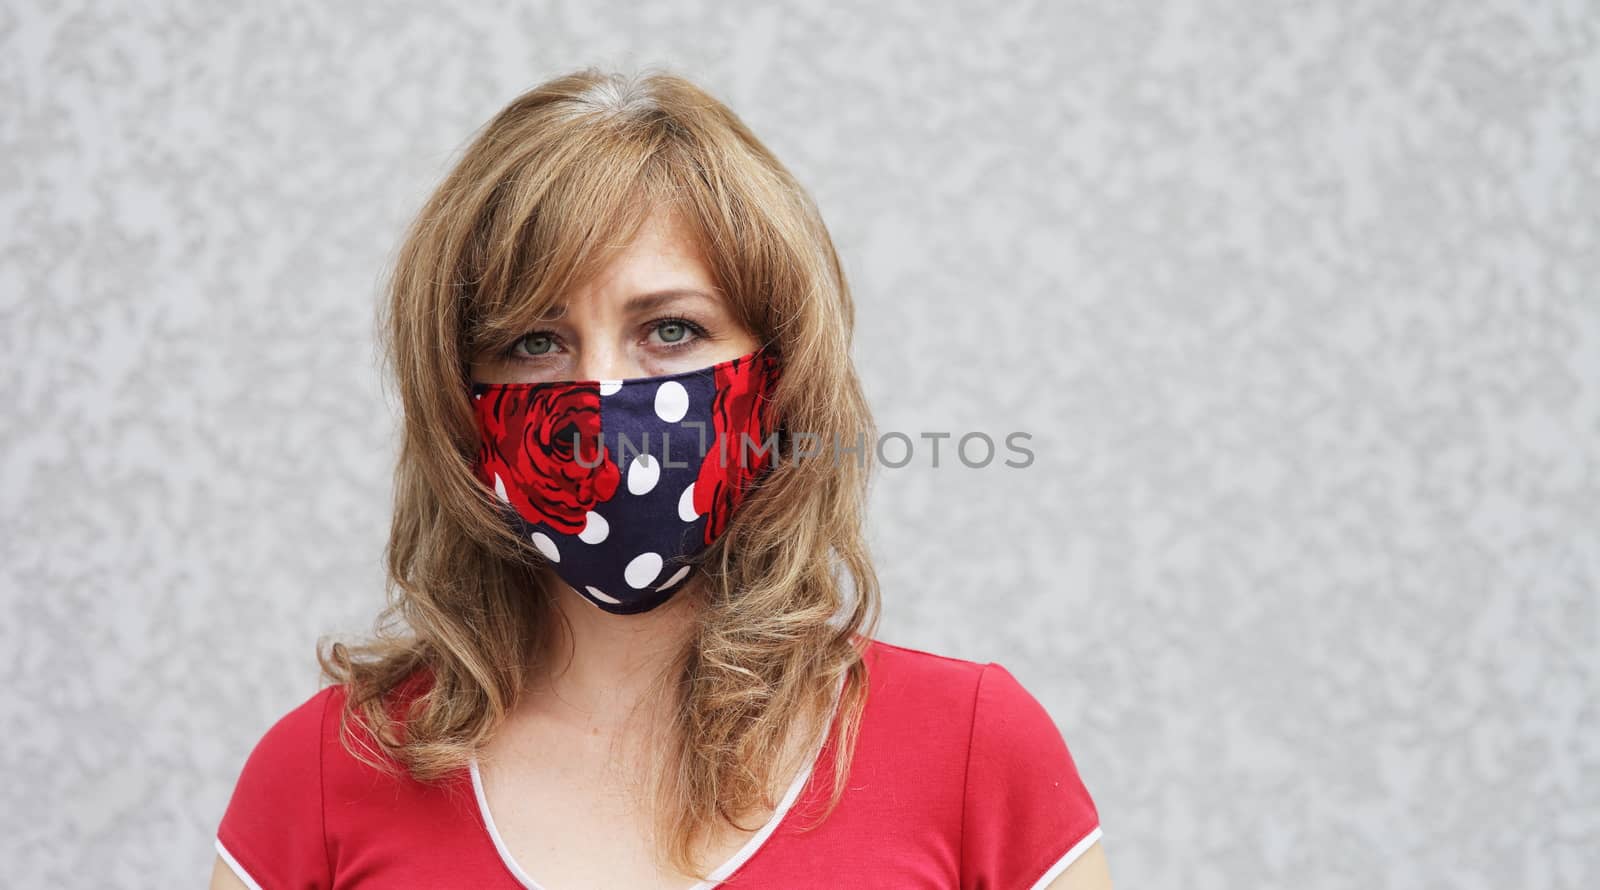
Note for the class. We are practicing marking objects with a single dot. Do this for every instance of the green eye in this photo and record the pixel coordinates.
(672, 331)
(536, 344)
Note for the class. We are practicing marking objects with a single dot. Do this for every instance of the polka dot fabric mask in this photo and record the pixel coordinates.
(621, 483)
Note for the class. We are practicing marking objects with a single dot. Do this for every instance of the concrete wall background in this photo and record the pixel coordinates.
(1298, 302)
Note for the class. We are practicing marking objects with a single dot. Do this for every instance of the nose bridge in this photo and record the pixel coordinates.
(603, 358)
(601, 350)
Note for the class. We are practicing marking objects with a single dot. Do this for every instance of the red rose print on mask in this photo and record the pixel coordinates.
(744, 393)
(528, 444)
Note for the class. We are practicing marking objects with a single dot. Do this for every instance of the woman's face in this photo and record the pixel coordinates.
(654, 311)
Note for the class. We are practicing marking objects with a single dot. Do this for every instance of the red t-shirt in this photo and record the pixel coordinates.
(960, 780)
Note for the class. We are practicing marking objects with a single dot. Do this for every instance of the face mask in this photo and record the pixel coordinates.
(620, 484)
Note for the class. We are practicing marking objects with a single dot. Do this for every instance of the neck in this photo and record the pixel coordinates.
(601, 665)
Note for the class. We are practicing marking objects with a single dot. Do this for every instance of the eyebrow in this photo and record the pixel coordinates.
(655, 299)
(640, 302)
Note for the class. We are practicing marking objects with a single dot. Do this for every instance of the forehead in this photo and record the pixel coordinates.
(664, 263)
(663, 246)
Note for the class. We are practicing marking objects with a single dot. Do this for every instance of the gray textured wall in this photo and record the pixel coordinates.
(1298, 302)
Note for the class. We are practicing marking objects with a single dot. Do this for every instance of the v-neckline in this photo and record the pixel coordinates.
(717, 875)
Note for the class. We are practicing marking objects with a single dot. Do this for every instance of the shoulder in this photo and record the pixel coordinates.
(272, 830)
(1028, 812)
(974, 710)
(275, 829)
(1025, 812)
(305, 720)
(919, 705)
(979, 689)
(996, 706)
(292, 745)
(903, 669)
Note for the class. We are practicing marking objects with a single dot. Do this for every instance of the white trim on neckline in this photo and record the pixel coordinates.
(722, 871)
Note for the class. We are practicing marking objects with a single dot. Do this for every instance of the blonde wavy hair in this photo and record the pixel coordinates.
(543, 196)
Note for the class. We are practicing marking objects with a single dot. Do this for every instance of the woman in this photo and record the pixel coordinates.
(630, 484)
